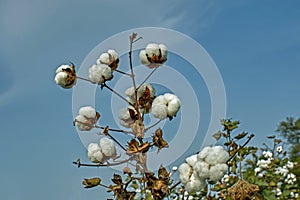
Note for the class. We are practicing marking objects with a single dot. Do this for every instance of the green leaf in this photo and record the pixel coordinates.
(241, 135)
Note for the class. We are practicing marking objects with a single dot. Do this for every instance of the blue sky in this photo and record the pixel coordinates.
(255, 45)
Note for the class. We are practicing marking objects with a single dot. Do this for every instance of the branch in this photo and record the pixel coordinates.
(248, 140)
(79, 164)
(149, 75)
(146, 129)
(115, 92)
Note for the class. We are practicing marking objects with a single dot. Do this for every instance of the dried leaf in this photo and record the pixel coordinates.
(92, 182)
(117, 179)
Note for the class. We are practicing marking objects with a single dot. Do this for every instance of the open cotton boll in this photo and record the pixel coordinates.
(65, 76)
(113, 54)
(204, 152)
(94, 153)
(125, 118)
(79, 123)
(164, 51)
(143, 58)
(152, 49)
(191, 160)
(159, 111)
(103, 59)
(216, 155)
(160, 100)
(216, 172)
(100, 73)
(202, 169)
(173, 107)
(185, 172)
(87, 111)
(108, 147)
(195, 184)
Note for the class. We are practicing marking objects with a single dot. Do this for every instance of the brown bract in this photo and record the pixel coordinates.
(158, 140)
(145, 101)
(135, 147)
(138, 129)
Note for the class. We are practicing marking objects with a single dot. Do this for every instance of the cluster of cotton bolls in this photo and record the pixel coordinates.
(103, 69)
(154, 55)
(65, 76)
(100, 153)
(166, 105)
(263, 163)
(87, 118)
(207, 165)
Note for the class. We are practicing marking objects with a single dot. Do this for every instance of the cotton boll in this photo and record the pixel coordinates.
(113, 54)
(94, 153)
(216, 172)
(195, 184)
(143, 58)
(79, 123)
(164, 51)
(108, 147)
(65, 76)
(217, 155)
(185, 172)
(87, 111)
(103, 59)
(204, 152)
(125, 118)
(173, 107)
(152, 50)
(159, 111)
(202, 169)
(191, 160)
(159, 100)
(100, 73)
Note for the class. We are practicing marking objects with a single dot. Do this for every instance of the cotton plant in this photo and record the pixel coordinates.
(230, 170)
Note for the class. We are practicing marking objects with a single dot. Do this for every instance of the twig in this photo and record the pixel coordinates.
(146, 129)
(149, 75)
(121, 72)
(115, 92)
(116, 141)
(85, 79)
(101, 127)
(132, 40)
(236, 151)
(175, 185)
